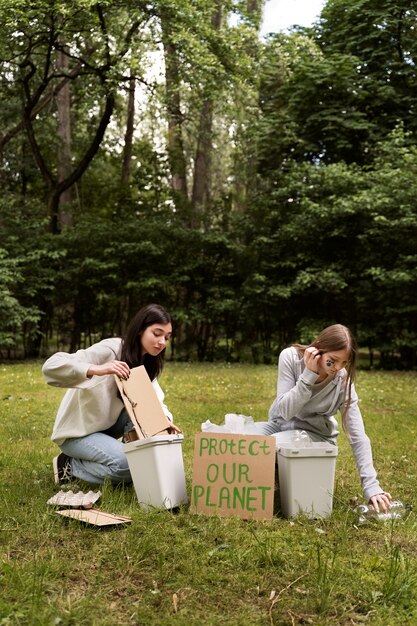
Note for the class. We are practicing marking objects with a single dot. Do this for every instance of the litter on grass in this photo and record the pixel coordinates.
(78, 500)
(95, 517)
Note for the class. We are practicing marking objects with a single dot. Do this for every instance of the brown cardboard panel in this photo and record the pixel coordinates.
(128, 406)
(233, 475)
(95, 517)
(142, 404)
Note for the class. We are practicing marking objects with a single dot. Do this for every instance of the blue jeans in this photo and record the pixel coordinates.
(100, 455)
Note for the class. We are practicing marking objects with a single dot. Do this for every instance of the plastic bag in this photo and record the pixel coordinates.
(209, 427)
(233, 423)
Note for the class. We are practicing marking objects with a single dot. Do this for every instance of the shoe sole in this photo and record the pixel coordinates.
(56, 471)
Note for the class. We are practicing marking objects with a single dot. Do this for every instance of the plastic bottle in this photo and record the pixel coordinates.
(301, 439)
(397, 510)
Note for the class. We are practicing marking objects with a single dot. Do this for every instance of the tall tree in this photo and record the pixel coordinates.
(176, 149)
(202, 162)
(88, 56)
(63, 101)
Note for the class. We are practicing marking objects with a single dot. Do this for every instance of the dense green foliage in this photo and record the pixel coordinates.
(159, 151)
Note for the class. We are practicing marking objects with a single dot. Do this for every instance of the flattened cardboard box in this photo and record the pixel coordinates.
(96, 517)
(234, 475)
(142, 404)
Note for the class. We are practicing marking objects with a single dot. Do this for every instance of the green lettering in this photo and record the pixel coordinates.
(242, 446)
(243, 472)
(266, 448)
(197, 493)
(204, 443)
(250, 498)
(232, 477)
(208, 503)
(239, 494)
(213, 447)
(223, 445)
(263, 496)
(224, 495)
(251, 447)
(212, 476)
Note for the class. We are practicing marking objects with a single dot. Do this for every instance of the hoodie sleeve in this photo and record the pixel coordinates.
(293, 390)
(361, 448)
(70, 370)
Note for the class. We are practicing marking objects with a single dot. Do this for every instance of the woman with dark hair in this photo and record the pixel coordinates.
(91, 418)
(314, 382)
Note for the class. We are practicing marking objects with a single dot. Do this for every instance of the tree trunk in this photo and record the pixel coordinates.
(63, 101)
(128, 144)
(202, 163)
(176, 153)
(127, 151)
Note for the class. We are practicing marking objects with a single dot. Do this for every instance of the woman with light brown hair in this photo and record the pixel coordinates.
(314, 382)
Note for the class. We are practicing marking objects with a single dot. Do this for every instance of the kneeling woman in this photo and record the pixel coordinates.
(314, 382)
(91, 418)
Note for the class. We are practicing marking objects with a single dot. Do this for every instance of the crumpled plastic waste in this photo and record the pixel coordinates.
(367, 513)
(233, 423)
(301, 439)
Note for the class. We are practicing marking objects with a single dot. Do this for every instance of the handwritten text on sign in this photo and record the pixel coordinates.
(234, 475)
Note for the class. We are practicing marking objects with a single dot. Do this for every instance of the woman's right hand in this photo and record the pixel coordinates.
(311, 359)
(174, 430)
(119, 368)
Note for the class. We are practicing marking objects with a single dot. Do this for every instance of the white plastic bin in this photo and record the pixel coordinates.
(306, 479)
(157, 470)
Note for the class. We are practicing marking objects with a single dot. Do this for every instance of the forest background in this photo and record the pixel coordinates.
(161, 151)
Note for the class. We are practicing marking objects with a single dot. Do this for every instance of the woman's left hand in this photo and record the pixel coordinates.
(174, 430)
(382, 500)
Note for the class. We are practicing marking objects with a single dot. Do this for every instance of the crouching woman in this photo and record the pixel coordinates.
(314, 382)
(91, 418)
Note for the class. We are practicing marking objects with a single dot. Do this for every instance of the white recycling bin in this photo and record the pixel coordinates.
(157, 470)
(306, 478)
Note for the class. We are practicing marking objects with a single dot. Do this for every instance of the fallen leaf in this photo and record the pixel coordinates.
(175, 602)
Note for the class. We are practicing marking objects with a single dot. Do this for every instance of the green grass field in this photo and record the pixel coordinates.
(179, 568)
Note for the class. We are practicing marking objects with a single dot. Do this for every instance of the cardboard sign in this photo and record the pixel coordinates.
(233, 475)
(142, 403)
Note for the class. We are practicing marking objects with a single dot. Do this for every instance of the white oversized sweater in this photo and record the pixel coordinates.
(91, 404)
(303, 404)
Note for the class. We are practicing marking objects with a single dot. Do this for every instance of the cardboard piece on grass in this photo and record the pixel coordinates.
(233, 475)
(142, 404)
(95, 517)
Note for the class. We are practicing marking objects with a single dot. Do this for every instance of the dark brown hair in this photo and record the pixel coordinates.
(331, 339)
(132, 347)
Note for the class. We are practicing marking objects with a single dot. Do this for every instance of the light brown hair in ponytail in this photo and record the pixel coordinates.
(331, 339)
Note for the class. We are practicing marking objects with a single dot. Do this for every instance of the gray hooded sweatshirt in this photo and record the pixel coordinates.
(303, 404)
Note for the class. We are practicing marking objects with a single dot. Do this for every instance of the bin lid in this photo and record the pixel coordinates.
(314, 449)
(156, 440)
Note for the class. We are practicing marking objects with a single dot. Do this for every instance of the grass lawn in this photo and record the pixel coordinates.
(178, 568)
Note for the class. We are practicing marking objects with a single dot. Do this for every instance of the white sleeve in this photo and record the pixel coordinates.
(161, 397)
(70, 370)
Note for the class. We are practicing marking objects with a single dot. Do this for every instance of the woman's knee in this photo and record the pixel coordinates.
(266, 428)
(119, 469)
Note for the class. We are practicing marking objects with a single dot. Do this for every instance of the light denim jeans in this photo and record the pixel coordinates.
(100, 455)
